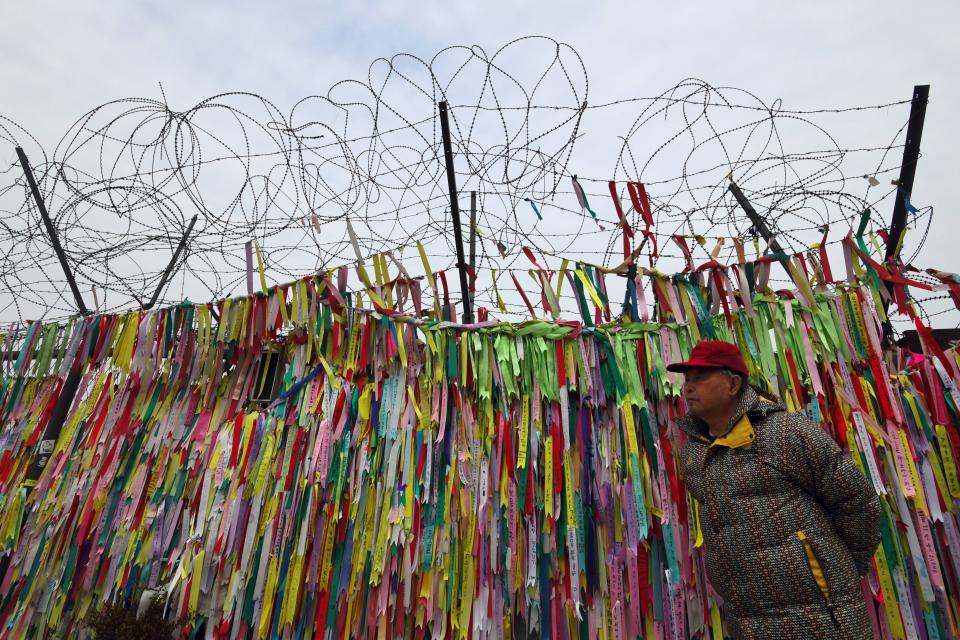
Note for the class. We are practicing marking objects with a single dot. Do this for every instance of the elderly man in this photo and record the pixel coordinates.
(789, 522)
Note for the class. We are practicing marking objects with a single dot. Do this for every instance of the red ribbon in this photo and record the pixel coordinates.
(824, 260)
(523, 295)
(638, 196)
(682, 243)
(627, 231)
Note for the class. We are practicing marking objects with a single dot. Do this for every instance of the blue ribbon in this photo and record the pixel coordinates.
(535, 209)
(906, 202)
(296, 387)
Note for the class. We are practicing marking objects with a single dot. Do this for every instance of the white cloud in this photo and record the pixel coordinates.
(61, 59)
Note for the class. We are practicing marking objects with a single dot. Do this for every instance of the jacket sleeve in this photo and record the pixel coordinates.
(831, 476)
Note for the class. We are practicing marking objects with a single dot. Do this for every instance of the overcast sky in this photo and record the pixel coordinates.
(60, 59)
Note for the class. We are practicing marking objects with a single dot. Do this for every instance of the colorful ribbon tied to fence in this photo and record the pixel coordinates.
(291, 463)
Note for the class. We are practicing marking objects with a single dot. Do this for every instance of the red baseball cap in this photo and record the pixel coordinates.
(712, 354)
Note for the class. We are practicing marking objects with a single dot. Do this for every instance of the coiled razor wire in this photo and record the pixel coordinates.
(126, 178)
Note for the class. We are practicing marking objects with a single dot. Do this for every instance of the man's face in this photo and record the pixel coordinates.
(709, 391)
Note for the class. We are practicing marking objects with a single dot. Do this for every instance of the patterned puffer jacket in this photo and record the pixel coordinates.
(789, 524)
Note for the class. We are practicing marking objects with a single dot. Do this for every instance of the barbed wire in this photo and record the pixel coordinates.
(125, 179)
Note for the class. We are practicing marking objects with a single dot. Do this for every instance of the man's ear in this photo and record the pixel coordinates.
(737, 383)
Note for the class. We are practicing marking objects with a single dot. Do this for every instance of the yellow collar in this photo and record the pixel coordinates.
(741, 435)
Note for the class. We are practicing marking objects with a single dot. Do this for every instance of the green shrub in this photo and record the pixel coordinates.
(115, 622)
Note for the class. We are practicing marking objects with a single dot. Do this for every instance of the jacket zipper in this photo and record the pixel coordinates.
(816, 571)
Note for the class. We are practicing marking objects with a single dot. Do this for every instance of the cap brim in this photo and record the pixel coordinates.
(680, 367)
